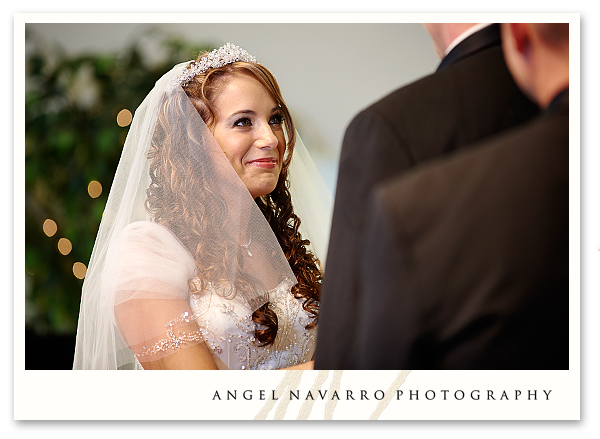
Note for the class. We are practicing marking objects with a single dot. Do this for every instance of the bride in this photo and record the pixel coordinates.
(201, 260)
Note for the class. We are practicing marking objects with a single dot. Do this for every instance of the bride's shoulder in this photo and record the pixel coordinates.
(144, 227)
(150, 237)
(147, 232)
(148, 246)
(144, 251)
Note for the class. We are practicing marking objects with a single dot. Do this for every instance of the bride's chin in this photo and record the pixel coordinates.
(258, 190)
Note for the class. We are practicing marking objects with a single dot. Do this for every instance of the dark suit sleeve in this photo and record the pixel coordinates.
(371, 152)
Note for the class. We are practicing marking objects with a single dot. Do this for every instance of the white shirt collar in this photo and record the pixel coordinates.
(464, 36)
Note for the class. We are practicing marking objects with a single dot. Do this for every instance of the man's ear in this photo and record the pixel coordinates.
(521, 34)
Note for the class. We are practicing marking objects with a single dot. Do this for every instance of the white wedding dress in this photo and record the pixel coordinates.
(149, 257)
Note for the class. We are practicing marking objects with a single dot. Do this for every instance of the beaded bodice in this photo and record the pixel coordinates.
(228, 330)
(156, 310)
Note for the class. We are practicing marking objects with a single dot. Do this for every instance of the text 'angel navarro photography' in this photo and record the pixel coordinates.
(399, 395)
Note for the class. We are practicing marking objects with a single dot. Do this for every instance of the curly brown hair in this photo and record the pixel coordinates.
(170, 171)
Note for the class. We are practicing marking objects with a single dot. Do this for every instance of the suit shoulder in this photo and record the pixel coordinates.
(540, 143)
(406, 92)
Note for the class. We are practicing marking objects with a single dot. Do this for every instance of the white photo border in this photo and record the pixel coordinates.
(247, 395)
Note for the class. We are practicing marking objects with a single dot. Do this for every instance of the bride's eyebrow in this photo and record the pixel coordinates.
(242, 112)
(251, 112)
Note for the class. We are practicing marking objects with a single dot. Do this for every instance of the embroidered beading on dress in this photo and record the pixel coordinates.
(174, 339)
(228, 330)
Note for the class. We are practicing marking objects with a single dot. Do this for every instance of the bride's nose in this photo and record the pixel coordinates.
(266, 138)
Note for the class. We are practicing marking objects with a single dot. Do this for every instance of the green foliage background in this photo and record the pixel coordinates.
(72, 138)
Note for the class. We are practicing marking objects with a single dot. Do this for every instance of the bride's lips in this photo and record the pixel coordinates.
(267, 163)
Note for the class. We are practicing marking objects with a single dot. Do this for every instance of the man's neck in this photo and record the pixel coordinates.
(464, 35)
(552, 70)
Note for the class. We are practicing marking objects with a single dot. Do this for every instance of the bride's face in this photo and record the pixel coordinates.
(249, 129)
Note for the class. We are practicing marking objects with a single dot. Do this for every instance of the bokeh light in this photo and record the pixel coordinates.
(94, 189)
(64, 246)
(49, 227)
(124, 118)
(79, 270)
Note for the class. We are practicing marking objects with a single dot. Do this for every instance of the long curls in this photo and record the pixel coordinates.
(277, 208)
(171, 173)
(171, 188)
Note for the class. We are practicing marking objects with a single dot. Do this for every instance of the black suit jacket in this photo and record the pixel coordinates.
(470, 97)
(467, 260)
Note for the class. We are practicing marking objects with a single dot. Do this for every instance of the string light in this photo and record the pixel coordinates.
(49, 227)
(64, 246)
(79, 270)
(124, 118)
(94, 189)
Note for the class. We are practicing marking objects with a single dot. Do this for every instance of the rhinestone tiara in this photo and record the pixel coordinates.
(227, 54)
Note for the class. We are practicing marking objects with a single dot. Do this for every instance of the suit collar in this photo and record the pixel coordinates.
(486, 37)
(559, 103)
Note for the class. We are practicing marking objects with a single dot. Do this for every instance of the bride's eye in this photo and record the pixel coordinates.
(242, 122)
(276, 119)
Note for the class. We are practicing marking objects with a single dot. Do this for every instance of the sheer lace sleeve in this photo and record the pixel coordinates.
(146, 277)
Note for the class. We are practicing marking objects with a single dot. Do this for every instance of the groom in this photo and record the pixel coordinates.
(471, 96)
(466, 264)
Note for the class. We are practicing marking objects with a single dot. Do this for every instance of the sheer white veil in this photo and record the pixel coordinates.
(136, 260)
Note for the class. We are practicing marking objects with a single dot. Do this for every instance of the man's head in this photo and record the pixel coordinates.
(537, 55)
